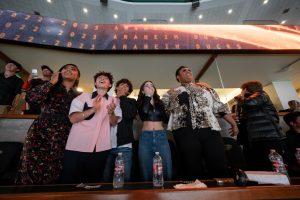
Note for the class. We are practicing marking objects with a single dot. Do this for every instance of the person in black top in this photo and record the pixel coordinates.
(293, 141)
(260, 120)
(122, 134)
(10, 86)
(153, 138)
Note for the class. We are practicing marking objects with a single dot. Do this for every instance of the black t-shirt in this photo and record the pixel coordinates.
(9, 88)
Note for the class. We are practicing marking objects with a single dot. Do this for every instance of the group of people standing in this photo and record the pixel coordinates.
(77, 136)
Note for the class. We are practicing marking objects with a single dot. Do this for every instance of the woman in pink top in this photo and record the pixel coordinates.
(88, 144)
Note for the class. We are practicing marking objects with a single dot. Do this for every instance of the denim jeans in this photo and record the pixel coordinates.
(110, 163)
(149, 143)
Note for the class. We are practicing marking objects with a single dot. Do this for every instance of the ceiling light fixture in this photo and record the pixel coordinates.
(200, 16)
(171, 19)
(265, 2)
(115, 16)
(283, 22)
(49, 1)
(144, 19)
(230, 11)
(85, 10)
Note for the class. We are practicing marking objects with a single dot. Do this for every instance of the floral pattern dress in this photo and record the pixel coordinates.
(43, 151)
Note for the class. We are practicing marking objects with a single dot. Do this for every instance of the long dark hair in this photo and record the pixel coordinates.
(141, 96)
(60, 79)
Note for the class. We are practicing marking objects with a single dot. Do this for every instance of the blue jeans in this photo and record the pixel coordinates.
(149, 143)
(110, 163)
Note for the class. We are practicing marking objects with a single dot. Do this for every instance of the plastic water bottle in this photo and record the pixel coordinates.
(277, 162)
(297, 155)
(158, 177)
(118, 180)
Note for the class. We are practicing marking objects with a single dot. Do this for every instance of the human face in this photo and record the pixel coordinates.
(122, 89)
(149, 88)
(102, 82)
(46, 72)
(11, 67)
(70, 72)
(185, 75)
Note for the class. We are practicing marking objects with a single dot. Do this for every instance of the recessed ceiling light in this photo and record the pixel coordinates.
(171, 19)
(144, 19)
(85, 10)
(200, 16)
(115, 16)
(49, 1)
(265, 2)
(230, 11)
(283, 22)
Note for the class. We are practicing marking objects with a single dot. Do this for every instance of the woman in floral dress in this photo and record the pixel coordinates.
(44, 146)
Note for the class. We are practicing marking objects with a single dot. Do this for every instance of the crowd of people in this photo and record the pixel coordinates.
(77, 136)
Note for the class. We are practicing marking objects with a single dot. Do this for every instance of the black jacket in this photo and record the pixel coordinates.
(129, 111)
(148, 112)
(260, 117)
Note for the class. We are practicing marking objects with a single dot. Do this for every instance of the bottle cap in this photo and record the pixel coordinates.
(272, 150)
(156, 153)
(120, 153)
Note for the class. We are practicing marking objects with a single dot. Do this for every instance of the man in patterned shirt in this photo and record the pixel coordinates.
(192, 108)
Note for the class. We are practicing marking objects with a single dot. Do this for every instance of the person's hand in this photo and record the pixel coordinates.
(54, 78)
(29, 78)
(234, 130)
(97, 103)
(111, 108)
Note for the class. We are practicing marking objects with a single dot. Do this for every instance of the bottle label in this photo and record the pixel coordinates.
(157, 169)
(278, 167)
(119, 169)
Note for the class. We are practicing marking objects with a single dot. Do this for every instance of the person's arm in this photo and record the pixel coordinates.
(40, 93)
(77, 113)
(255, 99)
(146, 105)
(115, 114)
(80, 116)
(234, 128)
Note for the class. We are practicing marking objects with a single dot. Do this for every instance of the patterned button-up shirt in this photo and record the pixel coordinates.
(195, 106)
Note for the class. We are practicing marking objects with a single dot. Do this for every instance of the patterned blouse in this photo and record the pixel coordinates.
(195, 106)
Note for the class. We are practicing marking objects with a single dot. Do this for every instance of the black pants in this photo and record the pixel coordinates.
(82, 167)
(200, 150)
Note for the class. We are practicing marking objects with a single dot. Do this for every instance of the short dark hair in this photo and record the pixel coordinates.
(252, 86)
(107, 74)
(291, 117)
(177, 71)
(46, 67)
(18, 65)
(126, 81)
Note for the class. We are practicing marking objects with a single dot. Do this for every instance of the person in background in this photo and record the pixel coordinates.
(10, 86)
(192, 108)
(43, 151)
(292, 119)
(34, 108)
(154, 137)
(261, 122)
(122, 134)
(89, 142)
